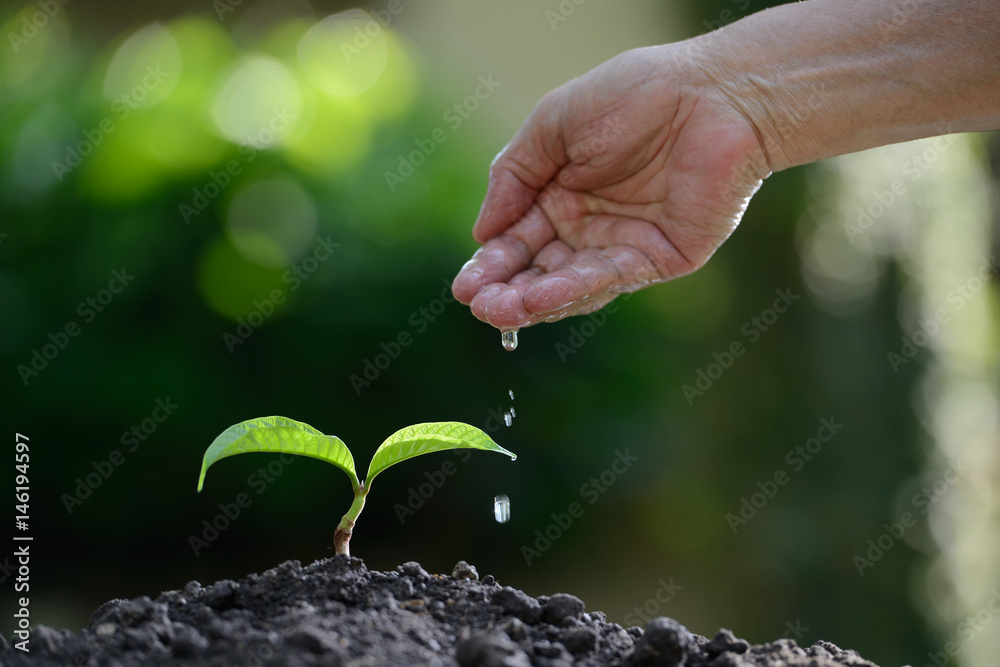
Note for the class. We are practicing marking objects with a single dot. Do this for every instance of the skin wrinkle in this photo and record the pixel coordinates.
(619, 279)
(512, 159)
(604, 259)
(660, 264)
(579, 278)
(662, 223)
(502, 164)
(597, 228)
(708, 69)
(503, 294)
(596, 204)
(670, 142)
(515, 209)
(617, 109)
(519, 247)
(550, 260)
(557, 159)
(651, 266)
(526, 276)
(490, 265)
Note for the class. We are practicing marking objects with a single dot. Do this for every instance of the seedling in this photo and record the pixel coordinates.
(281, 434)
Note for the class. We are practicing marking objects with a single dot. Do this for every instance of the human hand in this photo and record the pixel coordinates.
(628, 176)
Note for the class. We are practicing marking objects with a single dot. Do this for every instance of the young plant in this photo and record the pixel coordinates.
(283, 435)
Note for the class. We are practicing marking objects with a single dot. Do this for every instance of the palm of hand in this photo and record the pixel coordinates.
(618, 180)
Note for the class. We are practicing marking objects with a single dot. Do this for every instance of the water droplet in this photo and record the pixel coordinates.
(512, 413)
(511, 392)
(509, 340)
(501, 508)
(508, 418)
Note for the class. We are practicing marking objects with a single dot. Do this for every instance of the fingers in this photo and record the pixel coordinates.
(504, 256)
(532, 159)
(589, 280)
(509, 194)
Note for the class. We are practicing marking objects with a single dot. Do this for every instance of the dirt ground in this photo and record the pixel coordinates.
(335, 612)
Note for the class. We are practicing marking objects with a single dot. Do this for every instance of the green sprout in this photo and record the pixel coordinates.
(283, 435)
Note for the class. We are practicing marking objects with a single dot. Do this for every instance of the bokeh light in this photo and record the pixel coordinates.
(344, 54)
(144, 70)
(258, 102)
(229, 283)
(37, 146)
(235, 151)
(335, 139)
(38, 49)
(183, 135)
(841, 278)
(271, 222)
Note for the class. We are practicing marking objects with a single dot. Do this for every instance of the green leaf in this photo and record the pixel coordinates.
(427, 438)
(277, 435)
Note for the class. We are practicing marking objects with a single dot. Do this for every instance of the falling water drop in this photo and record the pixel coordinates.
(512, 413)
(511, 392)
(508, 418)
(509, 340)
(501, 508)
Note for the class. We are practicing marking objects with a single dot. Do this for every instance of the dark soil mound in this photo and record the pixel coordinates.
(336, 612)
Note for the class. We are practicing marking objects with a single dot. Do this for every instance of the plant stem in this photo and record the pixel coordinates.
(342, 536)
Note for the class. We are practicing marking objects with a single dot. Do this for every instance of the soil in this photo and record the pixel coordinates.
(336, 612)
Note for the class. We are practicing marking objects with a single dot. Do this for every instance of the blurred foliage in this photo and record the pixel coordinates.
(213, 191)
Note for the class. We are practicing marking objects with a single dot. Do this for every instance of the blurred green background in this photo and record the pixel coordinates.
(232, 156)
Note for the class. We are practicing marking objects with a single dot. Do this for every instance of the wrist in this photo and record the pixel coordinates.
(822, 78)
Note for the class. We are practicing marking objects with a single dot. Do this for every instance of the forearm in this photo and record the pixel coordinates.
(827, 77)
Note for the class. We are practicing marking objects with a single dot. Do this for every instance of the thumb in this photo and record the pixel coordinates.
(523, 168)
